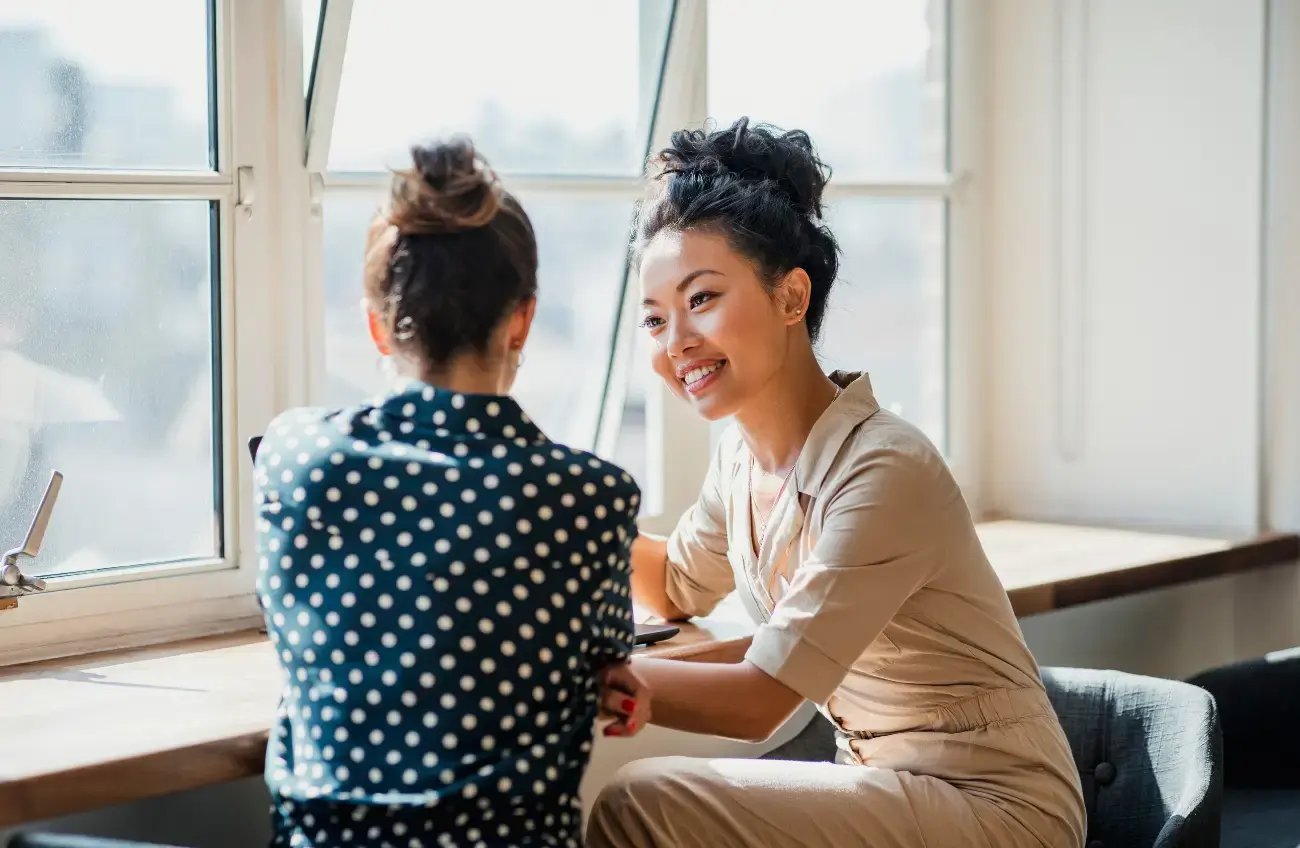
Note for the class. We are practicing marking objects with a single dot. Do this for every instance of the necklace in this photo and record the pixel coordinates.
(764, 520)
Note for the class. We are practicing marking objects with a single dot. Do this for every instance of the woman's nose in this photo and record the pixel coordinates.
(680, 340)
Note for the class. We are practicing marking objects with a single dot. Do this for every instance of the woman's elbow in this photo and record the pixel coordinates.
(770, 704)
(762, 724)
(760, 728)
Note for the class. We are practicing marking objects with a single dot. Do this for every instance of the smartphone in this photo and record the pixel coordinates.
(648, 634)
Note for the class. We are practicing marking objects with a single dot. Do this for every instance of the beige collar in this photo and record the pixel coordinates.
(854, 405)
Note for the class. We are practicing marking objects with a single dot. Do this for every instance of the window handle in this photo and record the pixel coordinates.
(13, 583)
(245, 190)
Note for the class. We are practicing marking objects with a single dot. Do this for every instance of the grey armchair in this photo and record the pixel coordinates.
(1259, 702)
(1149, 754)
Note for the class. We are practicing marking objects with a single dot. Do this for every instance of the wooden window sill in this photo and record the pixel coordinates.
(111, 728)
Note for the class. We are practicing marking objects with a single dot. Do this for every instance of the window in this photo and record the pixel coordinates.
(873, 97)
(182, 238)
(128, 177)
(874, 102)
(563, 118)
(110, 333)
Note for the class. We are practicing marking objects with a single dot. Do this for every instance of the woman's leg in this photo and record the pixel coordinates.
(714, 803)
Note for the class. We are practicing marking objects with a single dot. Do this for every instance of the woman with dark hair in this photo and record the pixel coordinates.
(847, 538)
(446, 589)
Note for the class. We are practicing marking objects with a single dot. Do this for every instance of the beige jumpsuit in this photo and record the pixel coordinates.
(875, 601)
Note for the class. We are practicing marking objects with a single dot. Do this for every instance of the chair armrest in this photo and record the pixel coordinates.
(1257, 710)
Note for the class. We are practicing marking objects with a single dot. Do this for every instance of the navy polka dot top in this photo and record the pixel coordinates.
(441, 584)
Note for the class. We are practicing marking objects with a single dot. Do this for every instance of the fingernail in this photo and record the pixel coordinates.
(613, 730)
(629, 705)
(631, 727)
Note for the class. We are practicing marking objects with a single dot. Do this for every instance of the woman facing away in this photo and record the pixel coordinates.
(446, 588)
(847, 538)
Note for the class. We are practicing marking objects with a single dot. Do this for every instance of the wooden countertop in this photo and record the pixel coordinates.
(110, 728)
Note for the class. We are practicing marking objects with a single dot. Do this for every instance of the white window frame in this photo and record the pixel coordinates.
(269, 185)
(166, 600)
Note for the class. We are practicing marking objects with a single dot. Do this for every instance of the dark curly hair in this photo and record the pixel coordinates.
(759, 187)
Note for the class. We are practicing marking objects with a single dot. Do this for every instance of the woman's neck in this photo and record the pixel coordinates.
(776, 422)
(465, 374)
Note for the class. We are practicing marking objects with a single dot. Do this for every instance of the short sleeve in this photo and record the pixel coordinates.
(879, 544)
(699, 574)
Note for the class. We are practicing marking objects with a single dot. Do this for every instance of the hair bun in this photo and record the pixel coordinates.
(757, 152)
(449, 189)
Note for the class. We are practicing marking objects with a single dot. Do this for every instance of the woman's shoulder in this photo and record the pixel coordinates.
(309, 430)
(888, 450)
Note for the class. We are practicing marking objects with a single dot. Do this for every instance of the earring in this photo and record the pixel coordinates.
(519, 358)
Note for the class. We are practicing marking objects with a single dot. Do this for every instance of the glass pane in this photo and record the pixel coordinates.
(92, 85)
(106, 374)
(528, 81)
(631, 450)
(311, 13)
(582, 243)
(887, 313)
(868, 87)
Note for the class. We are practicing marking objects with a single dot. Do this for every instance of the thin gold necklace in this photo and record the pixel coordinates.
(764, 520)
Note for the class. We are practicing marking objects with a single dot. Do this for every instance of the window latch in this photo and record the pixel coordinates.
(13, 583)
(245, 190)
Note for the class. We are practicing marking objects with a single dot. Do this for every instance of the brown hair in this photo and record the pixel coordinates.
(451, 255)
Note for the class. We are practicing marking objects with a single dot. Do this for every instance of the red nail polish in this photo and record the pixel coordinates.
(613, 730)
(629, 705)
(631, 727)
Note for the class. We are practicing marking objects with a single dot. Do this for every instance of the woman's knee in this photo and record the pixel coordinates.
(630, 809)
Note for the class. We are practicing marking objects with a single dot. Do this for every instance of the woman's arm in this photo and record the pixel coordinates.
(735, 700)
(650, 577)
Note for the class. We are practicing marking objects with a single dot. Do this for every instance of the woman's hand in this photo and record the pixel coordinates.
(624, 698)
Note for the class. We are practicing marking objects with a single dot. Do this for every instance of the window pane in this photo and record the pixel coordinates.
(106, 374)
(864, 78)
(311, 12)
(631, 450)
(887, 310)
(94, 85)
(582, 243)
(528, 81)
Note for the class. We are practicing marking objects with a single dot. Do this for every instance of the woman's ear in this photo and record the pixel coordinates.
(793, 295)
(378, 332)
(521, 324)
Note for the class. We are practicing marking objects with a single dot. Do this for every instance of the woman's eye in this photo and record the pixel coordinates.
(700, 298)
(650, 322)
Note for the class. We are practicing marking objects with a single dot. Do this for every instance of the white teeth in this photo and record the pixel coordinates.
(697, 374)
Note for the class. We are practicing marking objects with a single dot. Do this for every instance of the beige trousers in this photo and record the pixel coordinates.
(999, 774)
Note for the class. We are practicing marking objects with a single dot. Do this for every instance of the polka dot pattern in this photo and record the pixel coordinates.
(441, 584)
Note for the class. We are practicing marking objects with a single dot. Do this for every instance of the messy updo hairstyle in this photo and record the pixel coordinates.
(758, 187)
(463, 254)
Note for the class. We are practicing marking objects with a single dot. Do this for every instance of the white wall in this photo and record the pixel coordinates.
(1165, 257)
(1126, 221)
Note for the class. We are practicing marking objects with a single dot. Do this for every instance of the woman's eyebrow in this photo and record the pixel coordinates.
(686, 281)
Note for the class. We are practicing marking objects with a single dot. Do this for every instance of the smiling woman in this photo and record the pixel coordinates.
(872, 593)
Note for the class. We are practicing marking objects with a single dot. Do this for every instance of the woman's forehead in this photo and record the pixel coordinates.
(672, 256)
